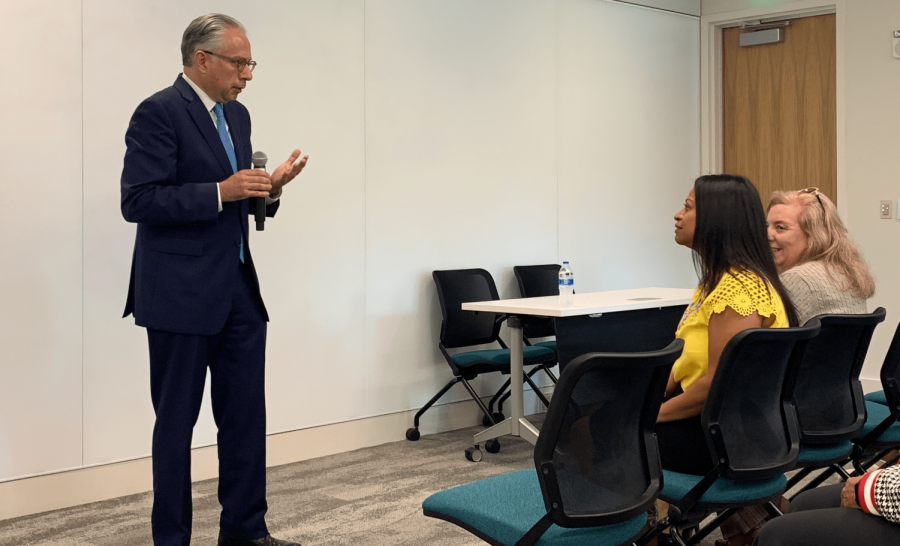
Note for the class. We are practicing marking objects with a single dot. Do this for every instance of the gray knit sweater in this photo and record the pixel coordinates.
(814, 292)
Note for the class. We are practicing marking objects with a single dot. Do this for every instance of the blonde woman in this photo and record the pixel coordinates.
(821, 268)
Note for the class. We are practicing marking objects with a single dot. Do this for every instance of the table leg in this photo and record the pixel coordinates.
(515, 424)
(516, 373)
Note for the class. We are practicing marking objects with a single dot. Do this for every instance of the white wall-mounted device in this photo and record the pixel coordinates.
(897, 44)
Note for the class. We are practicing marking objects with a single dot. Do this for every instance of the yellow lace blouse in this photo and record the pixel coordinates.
(745, 293)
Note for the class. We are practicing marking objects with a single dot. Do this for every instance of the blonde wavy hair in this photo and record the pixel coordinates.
(828, 240)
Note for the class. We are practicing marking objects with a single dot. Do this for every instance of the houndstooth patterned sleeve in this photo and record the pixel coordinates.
(887, 493)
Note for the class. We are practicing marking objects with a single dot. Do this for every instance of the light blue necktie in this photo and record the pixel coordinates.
(229, 150)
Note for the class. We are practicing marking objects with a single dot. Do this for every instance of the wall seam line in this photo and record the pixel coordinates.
(365, 205)
(558, 130)
(82, 232)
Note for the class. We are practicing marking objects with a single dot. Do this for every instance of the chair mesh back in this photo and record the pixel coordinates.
(749, 402)
(600, 442)
(625, 331)
(596, 432)
(751, 414)
(890, 375)
(828, 394)
(464, 328)
(536, 281)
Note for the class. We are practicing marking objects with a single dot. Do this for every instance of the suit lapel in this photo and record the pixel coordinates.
(204, 124)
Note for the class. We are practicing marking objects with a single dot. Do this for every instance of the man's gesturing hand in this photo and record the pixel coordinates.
(244, 184)
(286, 172)
(848, 494)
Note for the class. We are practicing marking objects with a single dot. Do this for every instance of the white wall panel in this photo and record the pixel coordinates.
(40, 267)
(629, 88)
(460, 169)
(308, 93)
(311, 258)
(441, 134)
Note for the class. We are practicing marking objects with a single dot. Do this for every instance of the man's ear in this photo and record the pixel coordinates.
(201, 61)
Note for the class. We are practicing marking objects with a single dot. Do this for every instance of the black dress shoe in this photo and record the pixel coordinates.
(267, 540)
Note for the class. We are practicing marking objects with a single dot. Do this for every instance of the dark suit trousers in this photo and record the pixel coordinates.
(816, 519)
(236, 361)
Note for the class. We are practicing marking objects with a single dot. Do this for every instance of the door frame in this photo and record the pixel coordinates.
(711, 131)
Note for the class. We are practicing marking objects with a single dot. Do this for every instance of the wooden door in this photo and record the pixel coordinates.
(779, 108)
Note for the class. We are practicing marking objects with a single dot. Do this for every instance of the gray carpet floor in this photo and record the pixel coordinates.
(370, 497)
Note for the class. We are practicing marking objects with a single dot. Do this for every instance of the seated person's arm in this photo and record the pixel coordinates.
(883, 500)
(673, 387)
(722, 327)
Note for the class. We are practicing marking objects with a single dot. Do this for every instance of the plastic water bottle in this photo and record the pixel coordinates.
(566, 286)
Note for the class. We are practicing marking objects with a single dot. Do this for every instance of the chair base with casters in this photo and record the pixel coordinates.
(481, 362)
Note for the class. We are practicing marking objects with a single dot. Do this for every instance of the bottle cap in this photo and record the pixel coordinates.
(565, 263)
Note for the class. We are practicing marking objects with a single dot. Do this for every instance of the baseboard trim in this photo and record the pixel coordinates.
(69, 488)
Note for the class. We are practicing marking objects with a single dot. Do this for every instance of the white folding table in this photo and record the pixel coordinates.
(584, 304)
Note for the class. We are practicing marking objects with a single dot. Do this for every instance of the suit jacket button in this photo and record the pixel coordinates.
(237, 244)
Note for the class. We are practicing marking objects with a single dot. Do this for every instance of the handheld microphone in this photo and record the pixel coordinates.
(259, 160)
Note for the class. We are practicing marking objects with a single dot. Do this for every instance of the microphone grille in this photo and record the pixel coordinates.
(259, 159)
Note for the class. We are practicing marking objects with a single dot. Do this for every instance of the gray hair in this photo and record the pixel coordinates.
(205, 32)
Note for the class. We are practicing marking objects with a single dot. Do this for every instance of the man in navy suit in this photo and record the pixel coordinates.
(186, 182)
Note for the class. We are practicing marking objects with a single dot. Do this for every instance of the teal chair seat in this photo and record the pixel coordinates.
(501, 509)
(548, 344)
(819, 455)
(530, 355)
(878, 397)
(875, 414)
(723, 492)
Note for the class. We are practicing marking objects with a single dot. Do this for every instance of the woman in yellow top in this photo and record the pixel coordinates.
(724, 223)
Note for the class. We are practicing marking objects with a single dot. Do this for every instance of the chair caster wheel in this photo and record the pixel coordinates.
(492, 446)
(498, 417)
(474, 454)
(486, 421)
(412, 434)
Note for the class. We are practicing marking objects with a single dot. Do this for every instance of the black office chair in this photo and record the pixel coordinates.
(469, 328)
(829, 398)
(596, 464)
(881, 433)
(537, 281)
(751, 429)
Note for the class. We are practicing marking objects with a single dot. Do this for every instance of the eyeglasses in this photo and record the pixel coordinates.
(814, 191)
(238, 63)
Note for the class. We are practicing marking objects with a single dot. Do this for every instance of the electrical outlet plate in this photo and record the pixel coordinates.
(886, 210)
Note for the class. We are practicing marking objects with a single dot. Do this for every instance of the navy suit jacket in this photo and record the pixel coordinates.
(186, 252)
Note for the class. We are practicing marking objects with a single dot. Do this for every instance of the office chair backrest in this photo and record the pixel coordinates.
(829, 397)
(619, 332)
(890, 375)
(536, 281)
(749, 418)
(465, 328)
(596, 456)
